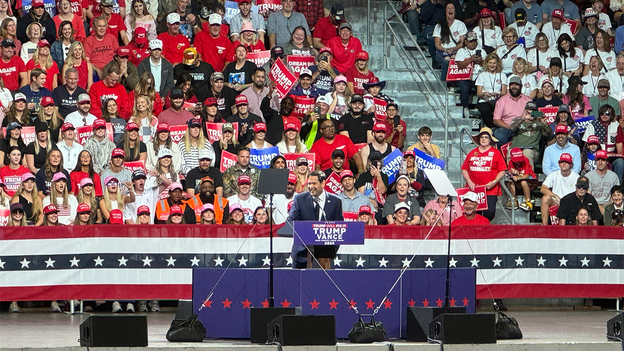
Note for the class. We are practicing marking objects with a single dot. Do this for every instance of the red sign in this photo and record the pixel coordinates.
(292, 158)
(454, 73)
(504, 149)
(552, 212)
(134, 165)
(177, 132)
(572, 24)
(550, 114)
(299, 62)
(303, 105)
(283, 78)
(28, 134)
(85, 132)
(333, 185)
(480, 191)
(360, 146)
(265, 7)
(228, 160)
(259, 58)
(214, 130)
(350, 216)
(380, 108)
(4, 217)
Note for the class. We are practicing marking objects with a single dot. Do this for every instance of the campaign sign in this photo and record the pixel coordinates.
(572, 24)
(28, 134)
(4, 217)
(85, 132)
(329, 233)
(380, 108)
(455, 73)
(283, 78)
(583, 122)
(424, 161)
(480, 191)
(303, 104)
(550, 113)
(333, 185)
(231, 10)
(350, 216)
(134, 165)
(177, 132)
(261, 158)
(299, 62)
(504, 149)
(214, 130)
(265, 7)
(259, 58)
(392, 165)
(291, 160)
(228, 160)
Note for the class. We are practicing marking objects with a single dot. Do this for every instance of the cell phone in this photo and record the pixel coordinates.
(325, 58)
(538, 114)
(317, 110)
(397, 120)
(479, 53)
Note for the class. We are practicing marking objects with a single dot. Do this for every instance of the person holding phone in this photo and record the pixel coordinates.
(395, 127)
(528, 130)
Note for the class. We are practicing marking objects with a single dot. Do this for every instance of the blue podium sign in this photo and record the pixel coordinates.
(329, 233)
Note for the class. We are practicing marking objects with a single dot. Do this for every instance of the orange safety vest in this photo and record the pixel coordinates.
(163, 208)
(219, 204)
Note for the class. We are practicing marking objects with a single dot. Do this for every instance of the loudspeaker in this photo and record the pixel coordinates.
(464, 328)
(614, 327)
(110, 331)
(302, 330)
(260, 317)
(184, 310)
(418, 319)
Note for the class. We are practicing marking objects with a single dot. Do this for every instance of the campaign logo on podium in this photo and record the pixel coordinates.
(329, 233)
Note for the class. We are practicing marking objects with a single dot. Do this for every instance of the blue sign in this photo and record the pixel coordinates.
(392, 165)
(329, 233)
(261, 158)
(583, 122)
(425, 161)
(231, 10)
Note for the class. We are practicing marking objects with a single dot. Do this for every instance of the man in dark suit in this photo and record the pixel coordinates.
(315, 205)
(158, 66)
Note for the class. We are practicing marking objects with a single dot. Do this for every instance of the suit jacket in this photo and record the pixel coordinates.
(166, 75)
(303, 210)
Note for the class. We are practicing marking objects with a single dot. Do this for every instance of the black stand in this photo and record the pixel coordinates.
(448, 254)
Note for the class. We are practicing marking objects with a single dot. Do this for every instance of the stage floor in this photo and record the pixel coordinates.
(543, 330)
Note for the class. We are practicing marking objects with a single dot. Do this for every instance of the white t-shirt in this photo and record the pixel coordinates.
(616, 81)
(283, 149)
(570, 64)
(529, 83)
(527, 31)
(493, 37)
(608, 58)
(67, 214)
(76, 119)
(458, 28)
(604, 22)
(249, 206)
(516, 52)
(282, 205)
(149, 197)
(561, 185)
(544, 57)
(464, 53)
(491, 82)
(27, 51)
(553, 34)
(6, 98)
(591, 88)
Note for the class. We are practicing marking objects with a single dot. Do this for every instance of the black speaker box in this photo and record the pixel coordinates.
(614, 328)
(111, 331)
(464, 328)
(184, 310)
(302, 330)
(260, 317)
(418, 319)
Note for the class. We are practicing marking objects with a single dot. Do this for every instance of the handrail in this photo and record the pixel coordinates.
(513, 205)
(442, 105)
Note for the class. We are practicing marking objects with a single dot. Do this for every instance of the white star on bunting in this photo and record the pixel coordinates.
(195, 261)
(289, 261)
(218, 261)
(266, 261)
(519, 261)
(242, 261)
(607, 262)
(563, 262)
(337, 261)
(474, 262)
(453, 262)
(2, 264)
(585, 262)
(383, 262)
(147, 261)
(171, 261)
(429, 262)
(49, 262)
(74, 262)
(360, 262)
(406, 262)
(123, 261)
(98, 261)
(497, 262)
(25, 263)
(541, 261)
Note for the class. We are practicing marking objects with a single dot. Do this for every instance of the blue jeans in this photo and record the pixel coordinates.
(443, 65)
(503, 135)
(464, 91)
(414, 22)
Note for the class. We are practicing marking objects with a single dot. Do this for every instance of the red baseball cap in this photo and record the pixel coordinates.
(346, 173)
(83, 207)
(291, 126)
(565, 157)
(211, 102)
(118, 153)
(47, 101)
(602, 154)
(379, 127)
(244, 179)
(175, 210)
(140, 35)
(116, 217)
(557, 13)
(162, 127)
(409, 153)
(365, 209)
(132, 126)
(362, 55)
(143, 209)
(259, 127)
(50, 209)
(592, 139)
(561, 128)
(67, 126)
(37, 3)
(241, 100)
(99, 123)
(517, 155)
(325, 49)
(123, 51)
(292, 178)
(43, 42)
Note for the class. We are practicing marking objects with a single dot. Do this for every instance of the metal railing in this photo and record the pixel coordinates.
(437, 91)
(464, 152)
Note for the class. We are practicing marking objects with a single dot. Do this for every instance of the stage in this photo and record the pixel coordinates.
(553, 330)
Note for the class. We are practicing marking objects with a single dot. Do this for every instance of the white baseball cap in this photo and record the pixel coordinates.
(155, 44)
(471, 196)
(164, 152)
(173, 18)
(215, 18)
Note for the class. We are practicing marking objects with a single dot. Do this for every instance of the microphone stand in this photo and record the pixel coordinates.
(271, 293)
(448, 254)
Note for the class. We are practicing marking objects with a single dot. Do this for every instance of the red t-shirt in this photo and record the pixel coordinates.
(9, 71)
(213, 50)
(77, 24)
(395, 137)
(225, 29)
(523, 168)
(174, 46)
(157, 104)
(325, 30)
(76, 177)
(231, 55)
(483, 167)
(478, 220)
(138, 54)
(12, 178)
(115, 24)
(344, 55)
(100, 92)
(97, 10)
(77, 6)
(50, 72)
(358, 79)
(101, 52)
(323, 150)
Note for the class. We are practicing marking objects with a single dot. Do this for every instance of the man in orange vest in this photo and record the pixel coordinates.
(207, 195)
(175, 198)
